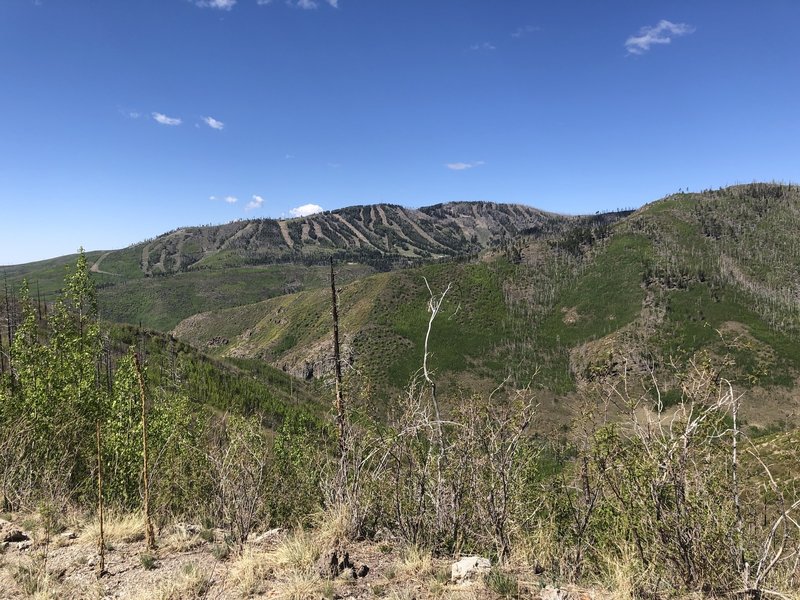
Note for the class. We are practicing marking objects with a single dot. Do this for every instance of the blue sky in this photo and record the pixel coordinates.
(122, 119)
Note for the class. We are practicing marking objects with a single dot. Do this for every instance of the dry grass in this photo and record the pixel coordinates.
(415, 563)
(297, 553)
(288, 568)
(182, 540)
(249, 571)
(537, 546)
(622, 574)
(116, 528)
(31, 578)
(298, 586)
(333, 525)
(191, 583)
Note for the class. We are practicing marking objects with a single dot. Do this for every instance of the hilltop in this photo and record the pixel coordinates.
(213, 267)
(706, 274)
(559, 302)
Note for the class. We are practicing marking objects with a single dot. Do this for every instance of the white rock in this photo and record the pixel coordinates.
(551, 593)
(268, 536)
(469, 568)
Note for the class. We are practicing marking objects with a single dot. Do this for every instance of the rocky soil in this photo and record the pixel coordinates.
(192, 562)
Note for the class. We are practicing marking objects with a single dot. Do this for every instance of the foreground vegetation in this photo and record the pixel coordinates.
(647, 494)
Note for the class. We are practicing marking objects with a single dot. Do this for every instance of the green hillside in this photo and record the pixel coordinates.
(687, 277)
(559, 302)
(238, 386)
(161, 302)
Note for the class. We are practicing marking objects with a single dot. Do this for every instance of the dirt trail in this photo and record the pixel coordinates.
(95, 268)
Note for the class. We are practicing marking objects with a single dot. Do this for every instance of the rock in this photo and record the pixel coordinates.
(68, 535)
(189, 528)
(551, 593)
(337, 563)
(216, 342)
(24, 545)
(9, 533)
(469, 568)
(345, 563)
(268, 537)
(328, 565)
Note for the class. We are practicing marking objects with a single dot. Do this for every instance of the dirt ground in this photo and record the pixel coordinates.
(192, 562)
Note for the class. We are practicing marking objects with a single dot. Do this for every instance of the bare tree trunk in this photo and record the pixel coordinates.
(148, 524)
(101, 569)
(743, 565)
(9, 337)
(434, 306)
(340, 409)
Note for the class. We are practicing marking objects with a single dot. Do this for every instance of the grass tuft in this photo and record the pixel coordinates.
(116, 528)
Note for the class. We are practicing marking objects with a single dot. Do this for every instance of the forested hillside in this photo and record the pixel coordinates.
(691, 275)
(651, 355)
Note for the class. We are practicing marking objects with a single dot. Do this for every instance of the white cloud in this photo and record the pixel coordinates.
(129, 114)
(231, 199)
(663, 33)
(255, 203)
(212, 197)
(462, 166)
(305, 210)
(483, 46)
(304, 4)
(165, 120)
(522, 31)
(220, 4)
(213, 123)
(263, 2)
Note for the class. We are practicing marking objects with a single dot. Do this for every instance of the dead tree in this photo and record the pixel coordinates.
(340, 407)
(148, 524)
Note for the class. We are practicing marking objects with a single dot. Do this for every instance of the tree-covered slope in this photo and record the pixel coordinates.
(194, 269)
(687, 277)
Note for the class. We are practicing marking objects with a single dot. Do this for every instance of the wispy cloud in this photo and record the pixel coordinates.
(213, 123)
(663, 33)
(523, 31)
(129, 114)
(304, 4)
(462, 166)
(228, 199)
(483, 46)
(256, 202)
(165, 120)
(305, 210)
(220, 4)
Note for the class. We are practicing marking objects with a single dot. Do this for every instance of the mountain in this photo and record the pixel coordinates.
(211, 267)
(711, 276)
(557, 302)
